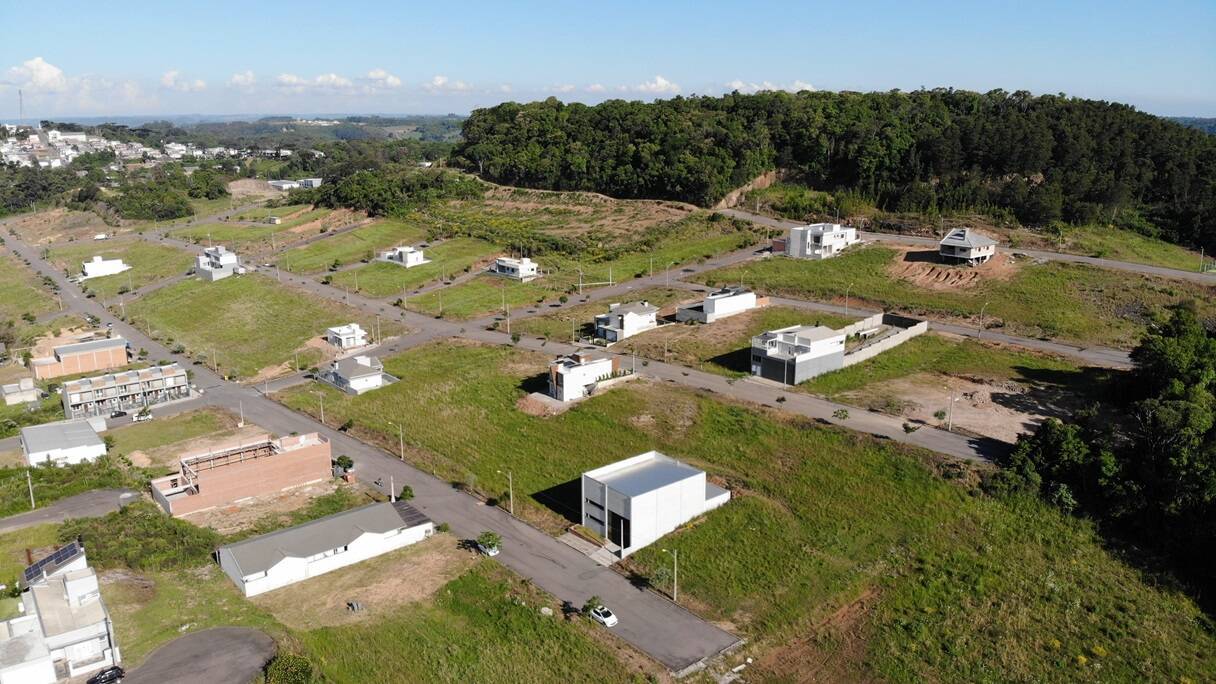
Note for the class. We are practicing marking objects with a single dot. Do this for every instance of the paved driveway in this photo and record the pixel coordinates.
(91, 504)
(228, 655)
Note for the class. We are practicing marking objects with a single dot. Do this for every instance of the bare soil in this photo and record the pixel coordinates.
(169, 454)
(923, 269)
(328, 354)
(834, 650)
(59, 225)
(588, 211)
(251, 189)
(381, 584)
(334, 219)
(237, 517)
(44, 345)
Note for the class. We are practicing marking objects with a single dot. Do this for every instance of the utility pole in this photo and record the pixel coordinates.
(510, 491)
(242, 405)
(392, 489)
(321, 395)
(675, 574)
(400, 438)
(950, 412)
(846, 299)
(29, 482)
(980, 332)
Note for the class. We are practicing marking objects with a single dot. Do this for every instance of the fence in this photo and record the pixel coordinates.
(909, 328)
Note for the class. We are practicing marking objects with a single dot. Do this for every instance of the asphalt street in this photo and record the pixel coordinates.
(90, 504)
(211, 656)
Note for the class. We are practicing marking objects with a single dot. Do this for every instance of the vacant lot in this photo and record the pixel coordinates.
(351, 246)
(263, 322)
(1061, 301)
(58, 225)
(952, 585)
(149, 263)
(448, 258)
(286, 212)
(263, 236)
(557, 326)
(22, 293)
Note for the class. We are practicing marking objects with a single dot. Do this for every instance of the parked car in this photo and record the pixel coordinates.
(118, 414)
(141, 417)
(110, 675)
(604, 616)
(487, 550)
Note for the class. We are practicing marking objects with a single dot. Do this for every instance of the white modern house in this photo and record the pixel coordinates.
(63, 443)
(283, 185)
(626, 320)
(310, 182)
(634, 502)
(24, 391)
(797, 353)
(349, 336)
(575, 376)
(819, 240)
(62, 629)
(99, 267)
(281, 558)
(217, 263)
(358, 374)
(963, 245)
(404, 256)
(727, 301)
(519, 269)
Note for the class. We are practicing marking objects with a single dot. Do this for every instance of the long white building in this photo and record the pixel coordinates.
(626, 320)
(727, 301)
(99, 267)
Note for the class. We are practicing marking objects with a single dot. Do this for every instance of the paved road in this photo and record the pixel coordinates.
(1143, 269)
(212, 656)
(90, 504)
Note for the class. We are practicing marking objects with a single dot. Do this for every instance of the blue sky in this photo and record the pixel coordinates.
(131, 58)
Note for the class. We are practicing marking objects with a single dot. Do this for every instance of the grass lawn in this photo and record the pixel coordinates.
(724, 346)
(1060, 301)
(234, 236)
(482, 295)
(250, 322)
(170, 430)
(39, 539)
(149, 263)
(556, 326)
(206, 207)
(351, 246)
(448, 258)
(52, 483)
(1108, 242)
(262, 213)
(22, 292)
(957, 587)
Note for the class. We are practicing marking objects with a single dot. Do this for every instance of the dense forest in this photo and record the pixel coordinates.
(1043, 158)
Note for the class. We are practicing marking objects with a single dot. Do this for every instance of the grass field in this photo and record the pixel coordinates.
(556, 326)
(351, 246)
(957, 588)
(149, 263)
(1108, 242)
(233, 236)
(262, 213)
(13, 418)
(21, 292)
(263, 321)
(1059, 301)
(724, 346)
(38, 539)
(448, 258)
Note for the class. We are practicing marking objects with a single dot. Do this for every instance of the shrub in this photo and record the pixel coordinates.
(288, 668)
(140, 536)
(407, 493)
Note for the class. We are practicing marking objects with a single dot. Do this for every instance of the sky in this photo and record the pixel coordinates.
(134, 58)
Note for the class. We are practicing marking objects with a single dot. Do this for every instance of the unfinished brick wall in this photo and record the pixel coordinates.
(257, 477)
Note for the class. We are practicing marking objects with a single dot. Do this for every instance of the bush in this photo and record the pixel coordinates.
(407, 493)
(141, 537)
(288, 668)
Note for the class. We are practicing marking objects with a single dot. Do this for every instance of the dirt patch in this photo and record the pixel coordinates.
(252, 188)
(381, 584)
(833, 651)
(535, 407)
(923, 269)
(237, 517)
(59, 225)
(335, 219)
(170, 454)
(43, 346)
(328, 353)
(585, 211)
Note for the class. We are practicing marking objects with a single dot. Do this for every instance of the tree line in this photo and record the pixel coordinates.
(1042, 158)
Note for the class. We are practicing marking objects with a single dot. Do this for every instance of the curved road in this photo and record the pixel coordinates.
(91, 504)
(212, 656)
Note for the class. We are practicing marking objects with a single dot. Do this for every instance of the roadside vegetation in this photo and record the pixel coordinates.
(52, 483)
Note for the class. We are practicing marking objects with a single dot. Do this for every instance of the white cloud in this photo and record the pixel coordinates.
(36, 75)
(443, 84)
(746, 87)
(324, 83)
(244, 80)
(381, 79)
(562, 88)
(595, 88)
(504, 88)
(658, 86)
(172, 80)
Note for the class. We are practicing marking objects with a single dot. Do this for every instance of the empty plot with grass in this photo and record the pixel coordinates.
(149, 262)
(235, 236)
(351, 246)
(1069, 302)
(250, 323)
(581, 318)
(448, 258)
(22, 293)
(286, 212)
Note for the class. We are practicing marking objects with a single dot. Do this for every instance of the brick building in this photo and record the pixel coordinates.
(259, 467)
(81, 357)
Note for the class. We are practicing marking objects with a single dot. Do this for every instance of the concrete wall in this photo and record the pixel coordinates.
(872, 350)
(87, 362)
(256, 477)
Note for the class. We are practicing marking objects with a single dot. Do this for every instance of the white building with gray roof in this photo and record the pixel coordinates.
(626, 320)
(967, 246)
(281, 558)
(357, 374)
(63, 443)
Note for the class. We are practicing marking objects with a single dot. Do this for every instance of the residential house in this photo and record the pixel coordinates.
(64, 443)
(81, 357)
(634, 502)
(62, 629)
(575, 376)
(283, 185)
(727, 301)
(404, 256)
(130, 390)
(99, 267)
(819, 240)
(519, 269)
(309, 182)
(797, 353)
(349, 336)
(281, 558)
(357, 374)
(274, 220)
(963, 245)
(253, 467)
(24, 391)
(626, 320)
(217, 263)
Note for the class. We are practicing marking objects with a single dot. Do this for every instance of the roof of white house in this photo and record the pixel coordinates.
(729, 291)
(59, 615)
(262, 553)
(348, 329)
(512, 260)
(358, 366)
(576, 360)
(643, 473)
(642, 307)
(822, 227)
(807, 333)
(965, 237)
(216, 250)
(66, 434)
(125, 377)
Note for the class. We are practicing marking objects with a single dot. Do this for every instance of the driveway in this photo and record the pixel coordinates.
(91, 504)
(224, 654)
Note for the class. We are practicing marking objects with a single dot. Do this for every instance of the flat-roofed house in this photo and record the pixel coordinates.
(66, 442)
(718, 304)
(404, 256)
(283, 185)
(81, 357)
(634, 502)
(99, 267)
(24, 391)
(520, 269)
(819, 240)
(626, 320)
(797, 353)
(253, 467)
(281, 558)
(308, 183)
(101, 395)
(965, 245)
(349, 336)
(358, 374)
(575, 376)
(217, 263)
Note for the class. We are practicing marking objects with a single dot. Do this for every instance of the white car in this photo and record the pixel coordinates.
(604, 616)
(487, 550)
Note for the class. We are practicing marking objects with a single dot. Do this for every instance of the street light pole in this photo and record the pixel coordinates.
(846, 298)
(321, 396)
(950, 412)
(675, 574)
(980, 332)
(400, 438)
(510, 490)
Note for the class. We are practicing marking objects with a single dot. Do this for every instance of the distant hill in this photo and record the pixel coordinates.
(1205, 124)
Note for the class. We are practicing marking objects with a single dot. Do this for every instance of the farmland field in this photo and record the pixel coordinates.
(351, 246)
(942, 585)
(1061, 301)
(149, 263)
(263, 322)
(448, 258)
